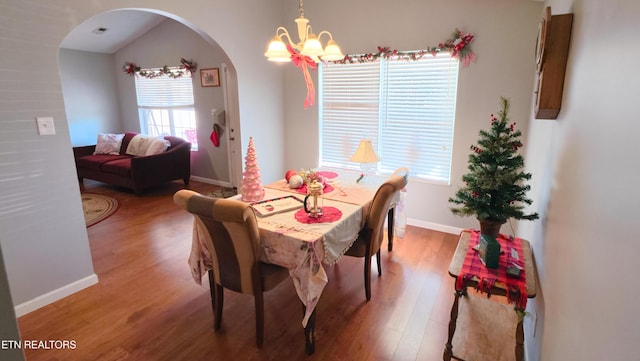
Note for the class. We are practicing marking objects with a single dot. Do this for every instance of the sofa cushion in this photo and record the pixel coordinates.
(120, 166)
(108, 144)
(94, 162)
(125, 141)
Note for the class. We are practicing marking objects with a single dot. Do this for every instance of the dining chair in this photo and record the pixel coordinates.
(231, 236)
(403, 172)
(370, 237)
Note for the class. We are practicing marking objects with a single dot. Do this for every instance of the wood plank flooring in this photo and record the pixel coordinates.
(146, 306)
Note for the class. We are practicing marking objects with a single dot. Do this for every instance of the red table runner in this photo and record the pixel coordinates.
(486, 277)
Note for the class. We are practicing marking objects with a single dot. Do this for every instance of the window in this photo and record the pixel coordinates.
(165, 107)
(406, 108)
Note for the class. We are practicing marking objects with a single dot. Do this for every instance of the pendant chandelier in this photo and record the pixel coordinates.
(308, 45)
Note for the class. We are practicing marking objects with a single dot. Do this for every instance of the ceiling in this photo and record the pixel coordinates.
(121, 27)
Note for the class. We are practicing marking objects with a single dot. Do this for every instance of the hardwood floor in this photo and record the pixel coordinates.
(146, 306)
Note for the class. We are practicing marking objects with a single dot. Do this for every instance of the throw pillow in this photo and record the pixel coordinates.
(139, 144)
(108, 144)
(159, 145)
(142, 145)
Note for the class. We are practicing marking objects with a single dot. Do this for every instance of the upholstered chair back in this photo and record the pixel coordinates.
(379, 209)
(232, 230)
(229, 232)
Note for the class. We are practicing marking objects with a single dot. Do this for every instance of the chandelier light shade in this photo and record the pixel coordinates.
(277, 51)
(332, 51)
(309, 44)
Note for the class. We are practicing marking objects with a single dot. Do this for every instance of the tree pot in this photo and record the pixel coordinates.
(490, 228)
(489, 247)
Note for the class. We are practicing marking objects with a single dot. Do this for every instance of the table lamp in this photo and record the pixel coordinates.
(366, 156)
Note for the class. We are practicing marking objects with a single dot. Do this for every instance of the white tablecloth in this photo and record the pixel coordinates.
(300, 247)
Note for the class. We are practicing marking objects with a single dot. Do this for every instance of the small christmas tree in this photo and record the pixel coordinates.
(495, 189)
(252, 190)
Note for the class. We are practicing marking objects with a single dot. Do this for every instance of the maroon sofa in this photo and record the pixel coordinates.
(134, 172)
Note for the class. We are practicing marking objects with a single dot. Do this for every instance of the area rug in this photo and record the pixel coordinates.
(97, 207)
(222, 193)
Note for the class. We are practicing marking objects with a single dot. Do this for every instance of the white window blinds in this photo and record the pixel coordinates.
(406, 108)
(349, 108)
(164, 92)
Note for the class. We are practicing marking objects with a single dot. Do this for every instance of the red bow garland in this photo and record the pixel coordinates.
(304, 62)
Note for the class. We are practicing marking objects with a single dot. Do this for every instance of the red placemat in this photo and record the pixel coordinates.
(327, 174)
(487, 277)
(303, 190)
(329, 214)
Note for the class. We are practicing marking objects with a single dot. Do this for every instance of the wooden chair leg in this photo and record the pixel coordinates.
(390, 225)
(212, 291)
(259, 319)
(367, 277)
(379, 265)
(309, 332)
(219, 304)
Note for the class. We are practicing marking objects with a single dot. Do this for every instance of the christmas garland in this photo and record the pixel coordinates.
(187, 68)
(459, 45)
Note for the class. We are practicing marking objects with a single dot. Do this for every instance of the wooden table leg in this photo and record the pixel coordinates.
(310, 333)
(448, 349)
(520, 341)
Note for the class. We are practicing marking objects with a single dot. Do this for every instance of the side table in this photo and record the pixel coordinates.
(498, 289)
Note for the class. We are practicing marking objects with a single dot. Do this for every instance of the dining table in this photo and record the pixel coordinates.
(303, 244)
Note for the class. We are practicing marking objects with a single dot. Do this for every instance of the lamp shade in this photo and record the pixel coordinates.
(365, 153)
(312, 46)
(332, 51)
(277, 51)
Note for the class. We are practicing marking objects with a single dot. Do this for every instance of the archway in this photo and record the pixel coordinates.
(100, 97)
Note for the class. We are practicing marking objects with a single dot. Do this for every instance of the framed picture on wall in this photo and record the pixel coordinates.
(210, 77)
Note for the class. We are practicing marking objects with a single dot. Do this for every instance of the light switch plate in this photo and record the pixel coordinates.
(45, 126)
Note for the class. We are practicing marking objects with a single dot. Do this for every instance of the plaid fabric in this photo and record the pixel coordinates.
(473, 268)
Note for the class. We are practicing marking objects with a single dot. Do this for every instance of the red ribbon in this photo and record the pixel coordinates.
(304, 62)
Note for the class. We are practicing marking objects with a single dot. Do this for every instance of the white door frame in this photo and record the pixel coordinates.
(234, 150)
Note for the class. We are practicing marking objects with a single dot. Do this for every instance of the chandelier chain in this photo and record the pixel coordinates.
(300, 9)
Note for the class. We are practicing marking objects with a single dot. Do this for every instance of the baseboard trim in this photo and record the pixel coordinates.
(435, 226)
(55, 295)
(212, 181)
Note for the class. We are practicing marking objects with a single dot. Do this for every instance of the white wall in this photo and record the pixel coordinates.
(90, 95)
(42, 231)
(505, 33)
(586, 192)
